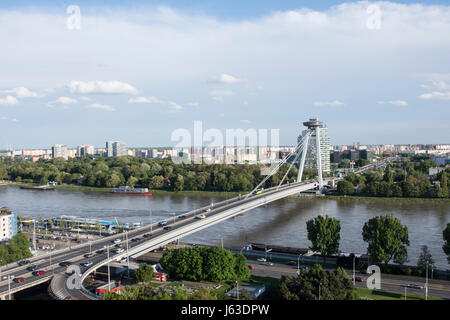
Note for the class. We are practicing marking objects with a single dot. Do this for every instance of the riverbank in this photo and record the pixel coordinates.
(384, 199)
(101, 189)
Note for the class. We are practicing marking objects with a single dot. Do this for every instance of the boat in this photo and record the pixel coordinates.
(43, 188)
(131, 191)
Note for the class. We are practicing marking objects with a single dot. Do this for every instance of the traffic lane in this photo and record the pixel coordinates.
(278, 270)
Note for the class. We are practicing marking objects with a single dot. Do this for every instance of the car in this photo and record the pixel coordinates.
(86, 264)
(147, 235)
(208, 210)
(19, 279)
(358, 279)
(65, 263)
(6, 277)
(292, 263)
(262, 259)
(162, 223)
(119, 245)
(117, 241)
(24, 262)
(135, 239)
(200, 216)
(39, 273)
(120, 250)
(33, 267)
(167, 227)
(414, 286)
(182, 217)
(100, 251)
(268, 263)
(88, 255)
(251, 267)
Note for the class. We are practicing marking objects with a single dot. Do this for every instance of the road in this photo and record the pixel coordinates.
(393, 283)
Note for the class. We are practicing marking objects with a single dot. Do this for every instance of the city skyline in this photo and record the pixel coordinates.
(138, 73)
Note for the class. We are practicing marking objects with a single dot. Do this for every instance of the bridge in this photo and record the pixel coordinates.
(145, 239)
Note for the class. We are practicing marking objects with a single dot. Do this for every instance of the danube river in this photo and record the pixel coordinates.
(280, 223)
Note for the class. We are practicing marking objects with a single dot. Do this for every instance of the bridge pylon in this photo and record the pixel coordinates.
(313, 126)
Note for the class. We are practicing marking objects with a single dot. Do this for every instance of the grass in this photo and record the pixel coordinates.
(386, 295)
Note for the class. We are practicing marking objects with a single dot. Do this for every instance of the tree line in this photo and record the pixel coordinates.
(399, 179)
(160, 174)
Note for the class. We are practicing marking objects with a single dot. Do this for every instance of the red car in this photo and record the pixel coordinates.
(39, 273)
(358, 279)
(251, 267)
(20, 279)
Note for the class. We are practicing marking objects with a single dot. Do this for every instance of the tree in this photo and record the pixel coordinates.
(425, 258)
(388, 175)
(446, 246)
(345, 187)
(131, 181)
(144, 273)
(324, 233)
(334, 285)
(387, 239)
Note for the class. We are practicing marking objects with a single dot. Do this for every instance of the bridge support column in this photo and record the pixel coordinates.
(302, 162)
(319, 159)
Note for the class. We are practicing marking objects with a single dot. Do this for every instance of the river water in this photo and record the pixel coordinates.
(280, 223)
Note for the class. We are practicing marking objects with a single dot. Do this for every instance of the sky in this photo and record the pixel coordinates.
(374, 72)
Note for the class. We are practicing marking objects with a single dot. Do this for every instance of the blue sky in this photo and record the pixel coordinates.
(139, 71)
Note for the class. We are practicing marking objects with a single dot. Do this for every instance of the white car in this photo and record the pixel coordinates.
(201, 216)
(268, 263)
(117, 241)
(120, 250)
(262, 259)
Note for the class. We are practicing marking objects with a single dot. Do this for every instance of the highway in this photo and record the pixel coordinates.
(389, 282)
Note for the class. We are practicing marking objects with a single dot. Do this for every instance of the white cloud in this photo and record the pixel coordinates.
(226, 79)
(101, 106)
(139, 100)
(85, 98)
(219, 95)
(3, 118)
(173, 106)
(436, 95)
(335, 103)
(103, 87)
(9, 100)
(193, 104)
(66, 100)
(398, 103)
(22, 92)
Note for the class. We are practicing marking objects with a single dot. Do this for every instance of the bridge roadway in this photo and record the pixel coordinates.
(156, 236)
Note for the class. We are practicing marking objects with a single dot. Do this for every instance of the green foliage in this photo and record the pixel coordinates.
(387, 239)
(424, 258)
(144, 273)
(204, 263)
(324, 234)
(333, 285)
(17, 249)
(345, 187)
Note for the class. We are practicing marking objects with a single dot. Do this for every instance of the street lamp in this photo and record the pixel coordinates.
(298, 263)
(320, 285)
(128, 258)
(426, 283)
(354, 281)
(109, 277)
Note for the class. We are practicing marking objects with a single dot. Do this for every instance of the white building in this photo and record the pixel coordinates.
(8, 224)
(60, 151)
(85, 150)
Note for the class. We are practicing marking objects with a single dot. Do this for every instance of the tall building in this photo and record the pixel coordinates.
(119, 149)
(60, 151)
(311, 155)
(8, 224)
(85, 150)
(109, 149)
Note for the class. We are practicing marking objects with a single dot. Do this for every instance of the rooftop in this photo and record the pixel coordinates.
(4, 211)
